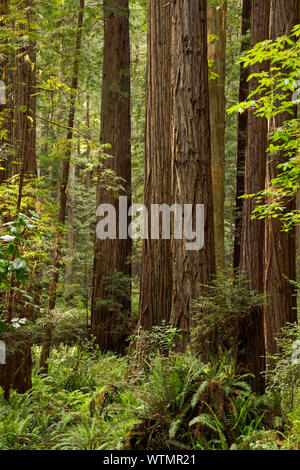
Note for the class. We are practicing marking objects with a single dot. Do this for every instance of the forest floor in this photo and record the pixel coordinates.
(90, 400)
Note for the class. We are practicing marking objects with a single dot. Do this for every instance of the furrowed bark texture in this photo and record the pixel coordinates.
(18, 368)
(156, 279)
(5, 106)
(110, 326)
(242, 136)
(217, 19)
(191, 155)
(280, 247)
(24, 105)
(252, 349)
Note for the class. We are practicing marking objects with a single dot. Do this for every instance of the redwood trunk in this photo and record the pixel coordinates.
(217, 19)
(111, 328)
(242, 137)
(18, 367)
(191, 155)
(5, 111)
(251, 348)
(156, 279)
(280, 247)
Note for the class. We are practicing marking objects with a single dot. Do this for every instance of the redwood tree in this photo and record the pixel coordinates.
(156, 279)
(217, 19)
(5, 108)
(18, 367)
(280, 246)
(252, 348)
(110, 307)
(191, 155)
(242, 136)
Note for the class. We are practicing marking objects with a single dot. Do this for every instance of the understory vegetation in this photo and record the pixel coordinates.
(152, 399)
(149, 225)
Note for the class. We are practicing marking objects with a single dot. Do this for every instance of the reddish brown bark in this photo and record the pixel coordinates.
(280, 246)
(5, 107)
(191, 155)
(217, 25)
(18, 367)
(110, 326)
(242, 137)
(24, 105)
(156, 279)
(252, 348)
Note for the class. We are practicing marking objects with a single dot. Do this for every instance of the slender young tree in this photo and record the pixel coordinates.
(242, 136)
(280, 246)
(88, 177)
(252, 349)
(156, 279)
(217, 19)
(70, 217)
(111, 307)
(63, 195)
(191, 155)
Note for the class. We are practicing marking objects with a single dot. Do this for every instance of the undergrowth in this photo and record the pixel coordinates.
(69, 409)
(90, 400)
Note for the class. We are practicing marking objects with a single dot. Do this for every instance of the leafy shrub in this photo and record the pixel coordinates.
(218, 312)
(144, 346)
(284, 372)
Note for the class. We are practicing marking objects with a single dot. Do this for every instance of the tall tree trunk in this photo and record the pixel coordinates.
(87, 283)
(280, 247)
(242, 137)
(217, 19)
(63, 197)
(156, 277)
(24, 122)
(111, 326)
(24, 106)
(5, 128)
(70, 244)
(252, 349)
(298, 240)
(19, 363)
(191, 155)
(5, 106)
